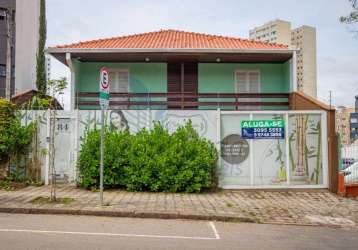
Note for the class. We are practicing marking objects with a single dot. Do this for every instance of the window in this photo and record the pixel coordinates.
(354, 120)
(2, 14)
(248, 81)
(3, 70)
(119, 83)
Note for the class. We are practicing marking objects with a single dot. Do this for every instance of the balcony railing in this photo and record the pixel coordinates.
(188, 100)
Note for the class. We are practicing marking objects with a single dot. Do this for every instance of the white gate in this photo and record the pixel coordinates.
(349, 163)
(299, 160)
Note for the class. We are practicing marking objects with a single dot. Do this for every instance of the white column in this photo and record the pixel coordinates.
(287, 149)
(324, 148)
(72, 83)
(218, 139)
(251, 141)
(47, 160)
(294, 71)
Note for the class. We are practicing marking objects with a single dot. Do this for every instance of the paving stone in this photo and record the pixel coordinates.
(285, 207)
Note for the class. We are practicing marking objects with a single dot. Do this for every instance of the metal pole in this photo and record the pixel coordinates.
(330, 99)
(101, 161)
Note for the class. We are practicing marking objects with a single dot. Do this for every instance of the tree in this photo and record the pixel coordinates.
(40, 58)
(54, 88)
(352, 18)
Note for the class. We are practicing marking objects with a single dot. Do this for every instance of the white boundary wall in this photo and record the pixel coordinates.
(71, 127)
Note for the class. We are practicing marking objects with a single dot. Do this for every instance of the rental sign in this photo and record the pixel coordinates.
(263, 129)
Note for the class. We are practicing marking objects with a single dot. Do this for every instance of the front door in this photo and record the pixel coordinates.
(182, 79)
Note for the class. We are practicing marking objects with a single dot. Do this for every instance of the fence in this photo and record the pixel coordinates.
(297, 160)
(349, 163)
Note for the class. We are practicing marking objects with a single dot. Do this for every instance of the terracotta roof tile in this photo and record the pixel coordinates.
(173, 39)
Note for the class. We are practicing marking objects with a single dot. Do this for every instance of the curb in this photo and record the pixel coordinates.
(127, 214)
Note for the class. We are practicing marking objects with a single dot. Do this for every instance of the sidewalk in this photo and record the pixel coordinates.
(283, 207)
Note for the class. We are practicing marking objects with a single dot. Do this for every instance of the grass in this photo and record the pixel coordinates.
(229, 204)
(13, 184)
(46, 200)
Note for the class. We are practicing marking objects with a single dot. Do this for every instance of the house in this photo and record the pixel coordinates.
(213, 78)
(23, 99)
(185, 70)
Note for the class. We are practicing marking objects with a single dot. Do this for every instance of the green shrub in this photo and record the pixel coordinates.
(150, 160)
(14, 137)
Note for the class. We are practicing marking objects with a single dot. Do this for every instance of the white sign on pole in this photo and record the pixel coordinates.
(104, 88)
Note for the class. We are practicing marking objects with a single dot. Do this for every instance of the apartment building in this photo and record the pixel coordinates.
(48, 67)
(343, 123)
(354, 122)
(277, 31)
(7, 30)
(23, 16)
(304, 39)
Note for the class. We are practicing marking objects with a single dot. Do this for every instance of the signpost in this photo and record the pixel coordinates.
(263, 129)
(103, 101)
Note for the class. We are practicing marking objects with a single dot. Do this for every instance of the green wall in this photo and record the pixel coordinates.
(220, 77)
(144, 77)
(213, 77)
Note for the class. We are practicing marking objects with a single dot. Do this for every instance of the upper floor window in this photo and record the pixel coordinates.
(2, 70)
(119, 80)
(247, 81)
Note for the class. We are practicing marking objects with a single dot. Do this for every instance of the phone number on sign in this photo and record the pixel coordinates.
(267, 130)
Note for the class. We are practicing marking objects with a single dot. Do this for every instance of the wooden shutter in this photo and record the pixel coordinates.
(174, 82)
(254, 81)
(191, 82)
(182, 78)
(247, 82)
(119, 83)
(241, 82)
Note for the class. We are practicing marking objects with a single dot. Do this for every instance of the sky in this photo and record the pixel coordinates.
(71, 21)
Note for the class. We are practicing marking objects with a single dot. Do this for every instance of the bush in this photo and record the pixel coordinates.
(14, 138)
(151, 160)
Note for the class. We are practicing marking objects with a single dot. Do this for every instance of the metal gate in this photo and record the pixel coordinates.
(349, 163)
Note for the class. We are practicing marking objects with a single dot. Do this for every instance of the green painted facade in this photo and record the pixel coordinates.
(143, 77)
(212, 77)
(220, 77)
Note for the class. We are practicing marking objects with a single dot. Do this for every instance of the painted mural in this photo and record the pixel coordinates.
(266, 156)
(305, 144)
(269, 155)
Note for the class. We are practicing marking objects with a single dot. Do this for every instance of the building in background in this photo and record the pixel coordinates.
(48, 67)
(27, 37)
(302, 38)
(7, 29)
(343, 124)
(277, 31)
(354, 122)
(24, 34)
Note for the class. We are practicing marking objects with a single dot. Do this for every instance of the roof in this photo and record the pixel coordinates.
(173, 39)
(25, 96)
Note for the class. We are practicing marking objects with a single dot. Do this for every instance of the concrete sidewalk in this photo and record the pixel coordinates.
(317, 207)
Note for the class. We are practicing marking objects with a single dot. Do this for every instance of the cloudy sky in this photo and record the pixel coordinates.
(337, 48)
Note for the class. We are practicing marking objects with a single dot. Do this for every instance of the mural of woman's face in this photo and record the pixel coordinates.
(118, 120)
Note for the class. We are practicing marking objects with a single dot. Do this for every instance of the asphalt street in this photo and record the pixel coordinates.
(19, 231)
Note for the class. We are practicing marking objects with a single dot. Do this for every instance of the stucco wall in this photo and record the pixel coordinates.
(144, 77)
(215, 77)
(212, 77)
